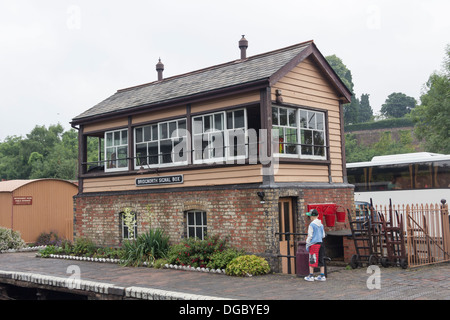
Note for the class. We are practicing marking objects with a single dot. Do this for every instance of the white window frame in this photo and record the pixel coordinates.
(203, 224)
(177, 134)
(212, 132)
(123, 143)
(316, 127)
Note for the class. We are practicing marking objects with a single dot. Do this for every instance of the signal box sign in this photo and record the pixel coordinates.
(23, 201)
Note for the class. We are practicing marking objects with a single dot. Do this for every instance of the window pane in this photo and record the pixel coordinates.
(172, 128)
(291, 140)
(181, 145)
(230, 120)
(204, 218)
(320, 121)
(217, 144)
(155, 132)
(116, 138)
(138, 135)
(283, 117)
(153, 152)
(218, 121)
(292, 118)
(306, 142)
(198, 218)
(123, 154)
(112, 157)
(182, 124)
(207, 123)
(312, 120)
(198, 125)
(303, 119)
(109, 139)
(280, 138)
(199, 233)
(141, 154)
(166, 151)
(441, 175)
(198, 147)
(124, 137)
(191, 232)
(191, 220)
(163, 131)
(319, 142)
(274, 116)
(239, 121)
(147, 133)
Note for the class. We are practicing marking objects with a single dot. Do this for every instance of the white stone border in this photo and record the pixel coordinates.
(24, 249)
(108, 260)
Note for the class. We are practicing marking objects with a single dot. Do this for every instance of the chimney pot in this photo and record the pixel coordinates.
(160, 69)
(243, 45)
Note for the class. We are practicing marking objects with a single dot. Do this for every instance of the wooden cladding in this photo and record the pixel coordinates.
(39, 206)
(305, 86)
(191, 178)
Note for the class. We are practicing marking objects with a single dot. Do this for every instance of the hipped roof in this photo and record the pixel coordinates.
(256, 71)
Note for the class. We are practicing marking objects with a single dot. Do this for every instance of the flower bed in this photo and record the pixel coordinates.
(212, 255)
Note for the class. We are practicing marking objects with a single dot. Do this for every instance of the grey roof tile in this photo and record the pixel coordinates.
(221, 76)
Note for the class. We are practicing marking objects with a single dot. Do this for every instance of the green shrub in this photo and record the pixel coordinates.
(195, 252)
(247, 265)
(10, 239)
(108, 252)
(149, 246)
(221, 259)
(50, 249)
(159, 263)
(50, 238)
(84, 247)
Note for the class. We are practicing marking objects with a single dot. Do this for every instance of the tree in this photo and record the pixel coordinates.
(350, 109)
(397, 105)
(365, 113)
(432, 116)
(44, 153)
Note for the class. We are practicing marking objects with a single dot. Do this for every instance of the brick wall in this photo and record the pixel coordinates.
(234, 213)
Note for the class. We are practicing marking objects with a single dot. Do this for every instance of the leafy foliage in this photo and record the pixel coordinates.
(398, 105)
(43, 153)
(219, 260)
(356, 152)
(432, 117)
(195, 252)
(149, 246)
(48, 238)
(10, 239)
(247, 265)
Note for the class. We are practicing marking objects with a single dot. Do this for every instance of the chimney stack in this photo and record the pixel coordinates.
(243, 45)
(160, 69)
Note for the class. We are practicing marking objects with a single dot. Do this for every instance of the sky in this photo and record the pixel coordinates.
(59, 58)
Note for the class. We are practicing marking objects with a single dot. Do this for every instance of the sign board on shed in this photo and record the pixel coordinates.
(23, 201)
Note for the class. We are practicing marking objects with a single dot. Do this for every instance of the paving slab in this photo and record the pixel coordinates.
(393, 283)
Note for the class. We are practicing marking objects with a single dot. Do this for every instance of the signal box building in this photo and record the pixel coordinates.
(237, 150)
